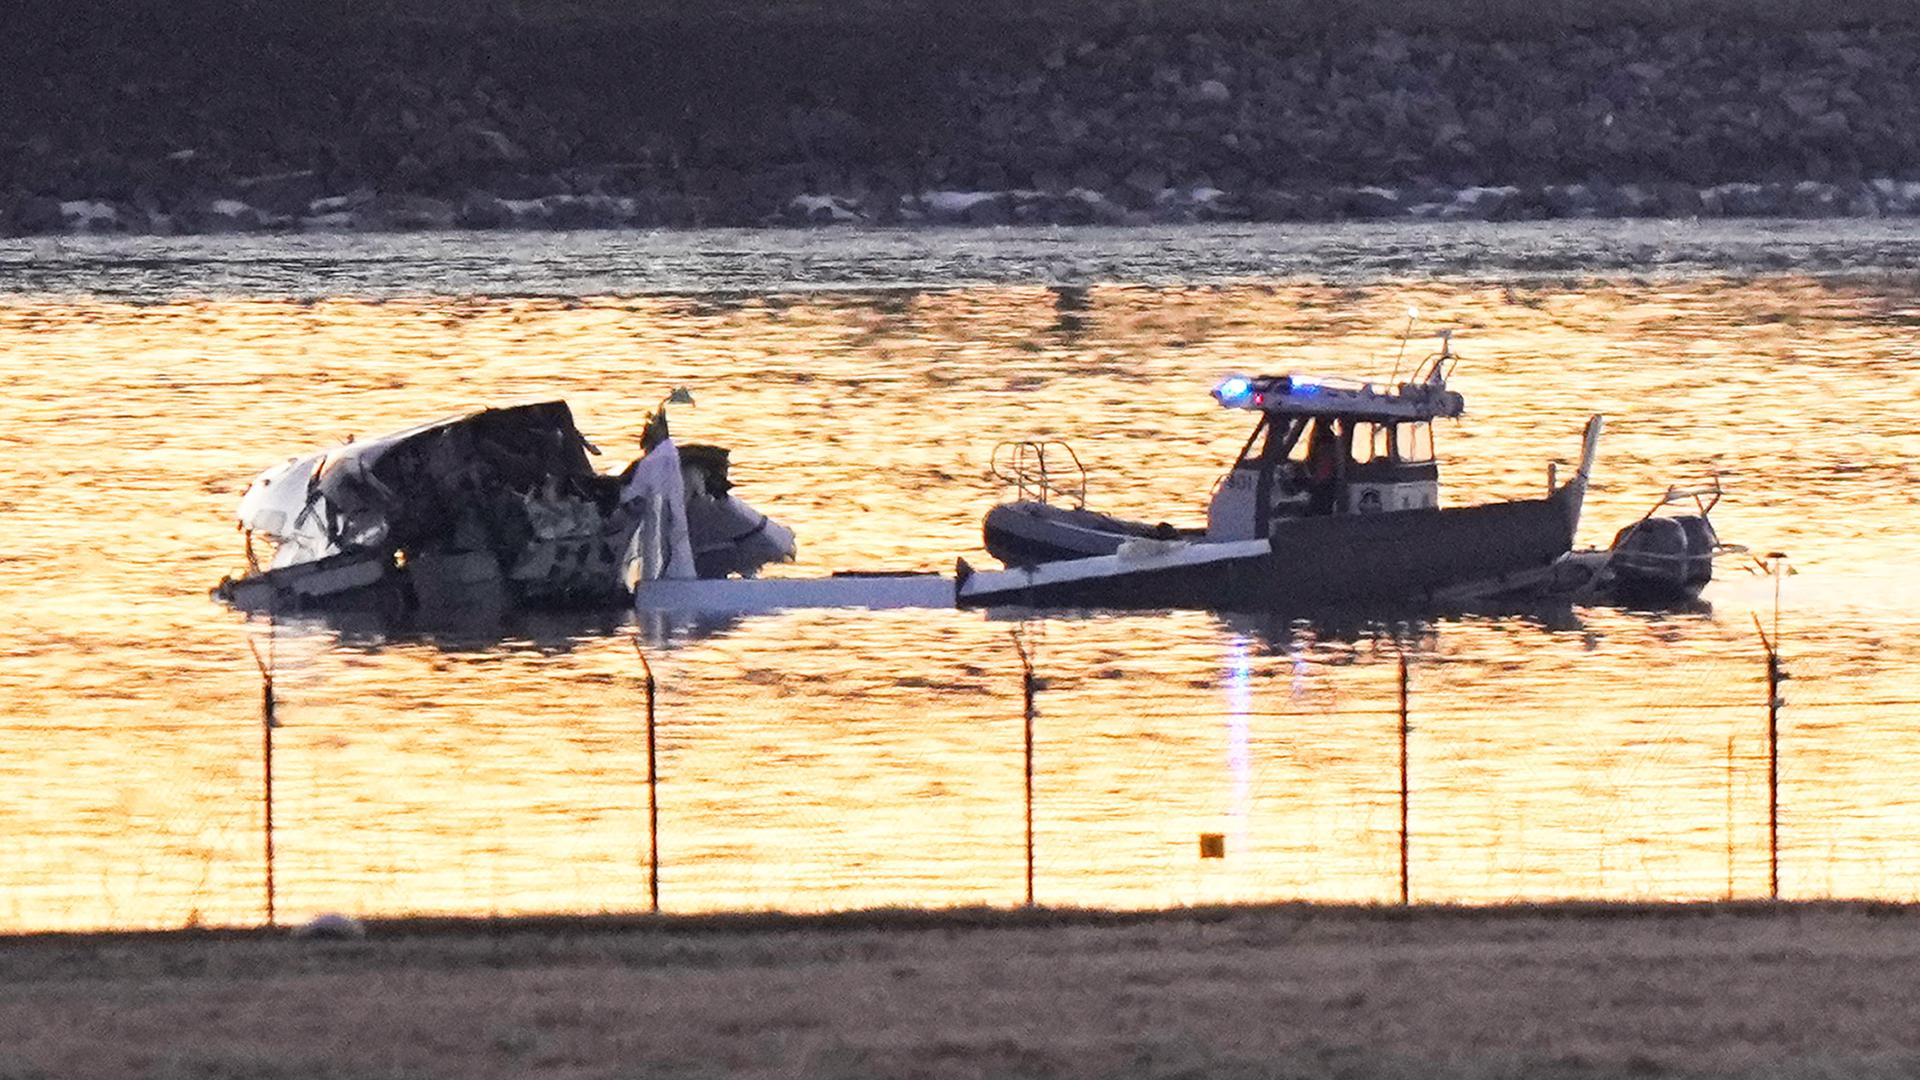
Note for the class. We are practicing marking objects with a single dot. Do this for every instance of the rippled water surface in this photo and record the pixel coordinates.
(831, 759)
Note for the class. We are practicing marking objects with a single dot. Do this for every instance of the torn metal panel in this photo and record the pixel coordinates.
(496, 505)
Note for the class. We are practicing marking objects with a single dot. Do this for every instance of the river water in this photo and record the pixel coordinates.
(834, 759)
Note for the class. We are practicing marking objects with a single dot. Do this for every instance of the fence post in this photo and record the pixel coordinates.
(1776, 564)
(1773, 771)
(653, 786)
(1026, 691)
(1405, 729)
(267, 724)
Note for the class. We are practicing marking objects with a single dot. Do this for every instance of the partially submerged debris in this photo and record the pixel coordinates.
(495, 507)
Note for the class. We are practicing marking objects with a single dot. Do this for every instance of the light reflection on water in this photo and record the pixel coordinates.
(833, 758)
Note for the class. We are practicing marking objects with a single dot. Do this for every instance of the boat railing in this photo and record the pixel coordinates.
(1704, 497)
(1436, 369)
(1038, 470)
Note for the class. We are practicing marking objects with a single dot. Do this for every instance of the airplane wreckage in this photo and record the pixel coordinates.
(498, 507)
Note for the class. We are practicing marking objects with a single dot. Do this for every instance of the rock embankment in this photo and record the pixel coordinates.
(1108, 128)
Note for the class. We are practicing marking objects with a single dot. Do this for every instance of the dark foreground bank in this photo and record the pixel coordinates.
(225, 115)
(1295, 991)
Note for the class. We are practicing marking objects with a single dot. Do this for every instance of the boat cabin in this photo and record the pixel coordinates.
(1324, 446)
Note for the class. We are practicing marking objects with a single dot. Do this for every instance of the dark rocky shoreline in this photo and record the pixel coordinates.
(425, 128)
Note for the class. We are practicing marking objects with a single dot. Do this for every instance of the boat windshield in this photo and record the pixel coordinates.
(1372, 442)
(1306, 437)
(1413, 443)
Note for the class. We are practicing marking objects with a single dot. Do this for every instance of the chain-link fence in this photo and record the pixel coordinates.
(1095, 777)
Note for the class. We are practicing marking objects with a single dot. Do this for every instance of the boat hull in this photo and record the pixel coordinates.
(1409, 555)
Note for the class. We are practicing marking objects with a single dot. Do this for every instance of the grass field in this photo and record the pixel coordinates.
(1293, 991)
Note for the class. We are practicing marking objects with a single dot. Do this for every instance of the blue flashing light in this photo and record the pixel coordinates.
(1233, 390)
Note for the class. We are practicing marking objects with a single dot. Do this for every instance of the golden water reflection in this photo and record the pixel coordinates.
(834, 759)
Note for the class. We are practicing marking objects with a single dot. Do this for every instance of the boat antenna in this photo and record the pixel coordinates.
(1412, 314)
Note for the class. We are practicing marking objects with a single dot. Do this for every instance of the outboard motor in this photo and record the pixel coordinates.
(1664, 558)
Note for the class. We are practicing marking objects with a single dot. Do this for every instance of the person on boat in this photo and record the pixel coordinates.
(1323, 468)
